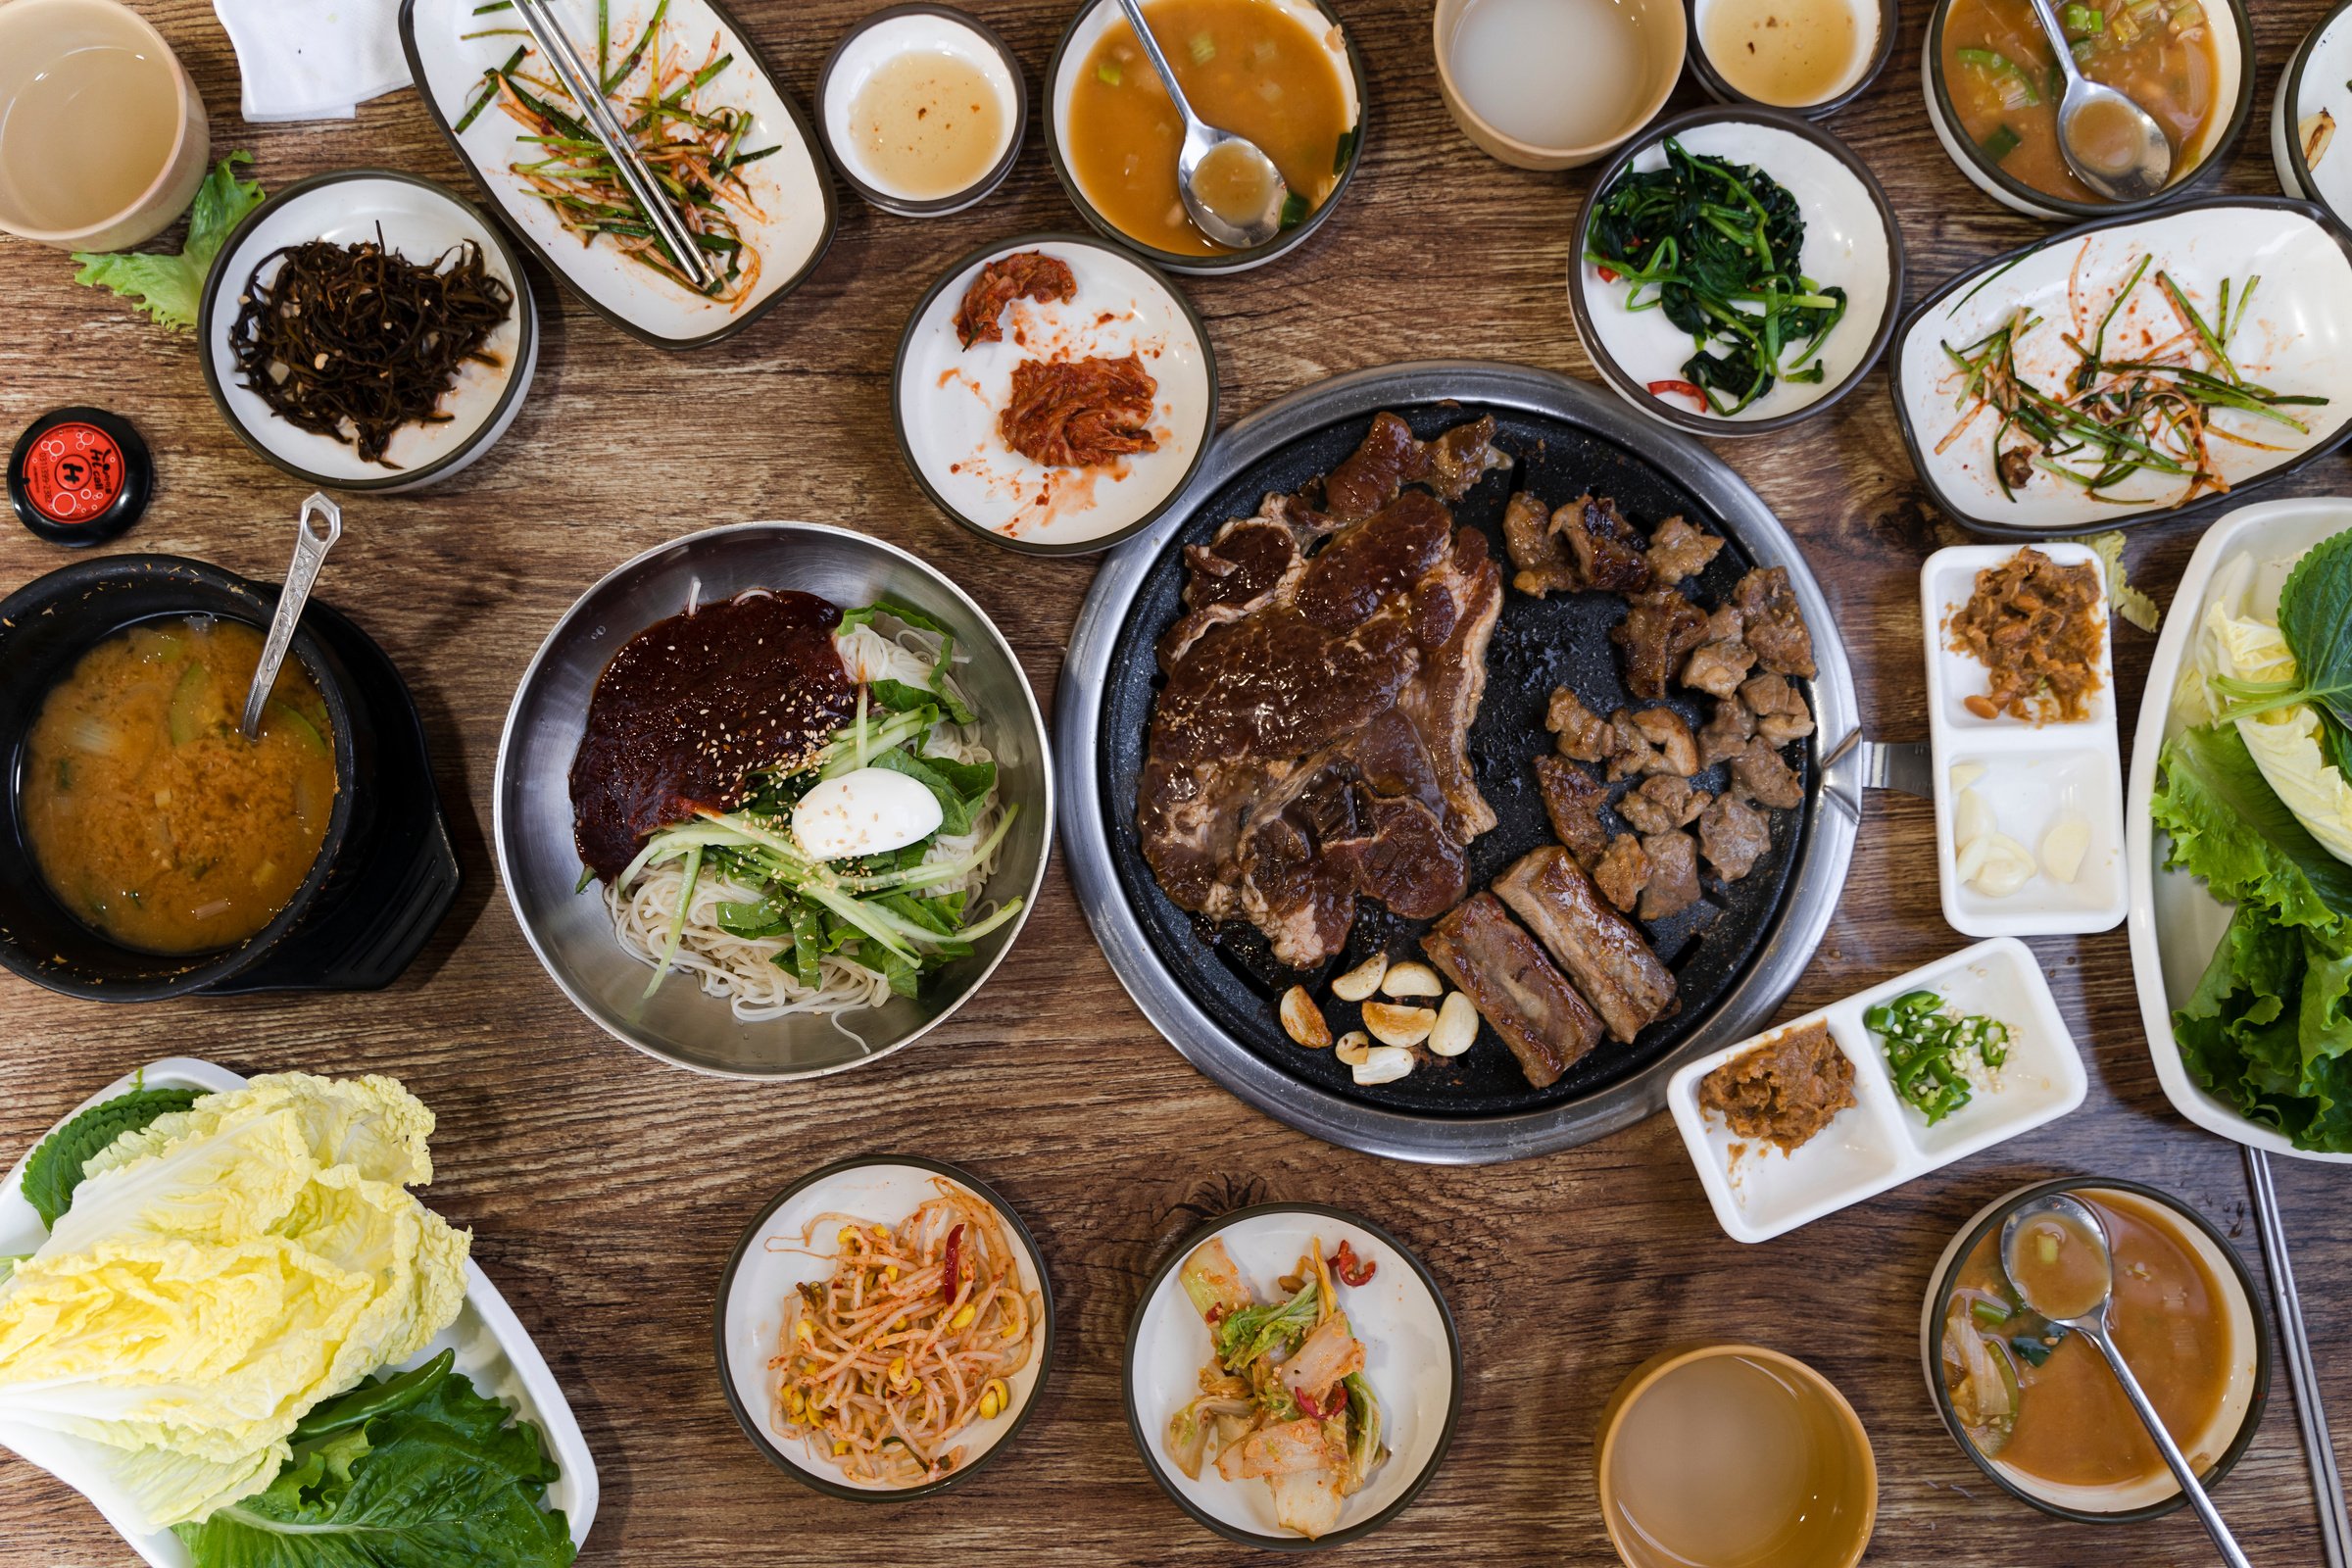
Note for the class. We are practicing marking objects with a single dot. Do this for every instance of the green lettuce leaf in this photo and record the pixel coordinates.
(2269, 1027)
(419, 1471)
(170, 287)
(55, 1170)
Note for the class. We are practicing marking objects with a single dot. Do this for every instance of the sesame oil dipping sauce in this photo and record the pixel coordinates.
(928, 123)
(1552, 73)
(1789, 54)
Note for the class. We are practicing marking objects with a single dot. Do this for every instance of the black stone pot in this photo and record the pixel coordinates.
(48, 624)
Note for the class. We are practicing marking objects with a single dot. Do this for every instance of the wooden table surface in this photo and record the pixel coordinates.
(605, 1190)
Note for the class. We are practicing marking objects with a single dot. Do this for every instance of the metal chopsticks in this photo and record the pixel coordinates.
(587, 91)
(2318, 1446)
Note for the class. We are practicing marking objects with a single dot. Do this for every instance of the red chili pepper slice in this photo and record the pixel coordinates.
(1608, 275)
(1665, 389)
(954, 1261)
(1325, 1411)
(1351, 1269)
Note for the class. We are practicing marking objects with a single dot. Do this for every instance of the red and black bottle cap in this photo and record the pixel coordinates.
(80, 476)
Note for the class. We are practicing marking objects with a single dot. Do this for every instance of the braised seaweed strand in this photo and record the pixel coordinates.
(356, 341)
(2109, 419)
(693, 150)
(1715, 245)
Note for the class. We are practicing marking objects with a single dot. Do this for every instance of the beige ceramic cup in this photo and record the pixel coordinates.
(1665, 33)
(36, 180)
(1832, 1537)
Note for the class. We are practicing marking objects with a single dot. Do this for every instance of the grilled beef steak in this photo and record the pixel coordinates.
(1311, 741)
(1601, 950)
(1514, 987)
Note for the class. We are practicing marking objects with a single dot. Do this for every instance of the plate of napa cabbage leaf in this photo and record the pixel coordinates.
(278, 1356)
(2239, 844)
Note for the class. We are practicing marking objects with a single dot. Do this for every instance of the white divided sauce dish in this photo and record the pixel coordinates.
(1412, 1359)
(2028, 779)
(419, 222)
(893, 36)
(1758, 1192)
(2176, 920)
(1846, 245)
(770, 1264)
(493, 1348)
(948, 398)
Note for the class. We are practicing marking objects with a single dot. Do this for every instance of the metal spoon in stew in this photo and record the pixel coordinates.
(2111, 144)
(1231, 188)
(2056, 1255)
(311, 545)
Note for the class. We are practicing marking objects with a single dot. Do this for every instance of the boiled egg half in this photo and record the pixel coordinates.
(867, 810)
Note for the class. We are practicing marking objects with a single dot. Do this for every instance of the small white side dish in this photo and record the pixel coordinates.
(2296, 338)
(891, 34)
(944, 400)
(418, 221)
(2033, 778)
(1758, 1192)
(2176, 920)
(1413, 1360)
(2317, 81)
(492, 1346)
(1851, 242)
(769, 1264)
(791, 187)
(1874, 23)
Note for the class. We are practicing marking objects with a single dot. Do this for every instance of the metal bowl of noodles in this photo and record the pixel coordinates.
(567, 926)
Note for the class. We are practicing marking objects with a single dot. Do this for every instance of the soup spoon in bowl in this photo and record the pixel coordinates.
(2111, 144)
(1231, 190)
(2056, 1255)
(311, 545)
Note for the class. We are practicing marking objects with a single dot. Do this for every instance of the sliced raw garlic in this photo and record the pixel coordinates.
(1362, 980)
(1972, 819)
(2063, 846)
(1966, 773)
(1383, 1064)
(1456, 1026)
(1996, 865)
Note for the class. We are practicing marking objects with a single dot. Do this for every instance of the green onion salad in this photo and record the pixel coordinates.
(732, 899)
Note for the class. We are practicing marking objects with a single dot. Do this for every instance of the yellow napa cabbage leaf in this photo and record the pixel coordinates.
(220, 1272)
(2284, 742)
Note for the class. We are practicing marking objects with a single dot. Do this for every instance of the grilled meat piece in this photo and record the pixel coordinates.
(1369, 478)
(1658, 632)
(1074, 414)
(1573, 798)
(1723, 659)
(1678, 550)
(1024, 274)
(1776, 629)
(1761, 774)
(1733, 835)
(1601, 950)
(1661, 805)
(1516, 987)
(1673, 885)
(1780, 709)
(1583, 734)
(1309, 746)
(1585, 544)
(1623, 872)
(1670, 732)
(1544, 567)
(1726, 734)
(1630, 751)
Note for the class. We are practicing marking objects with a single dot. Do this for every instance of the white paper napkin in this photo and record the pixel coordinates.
(314, 59)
